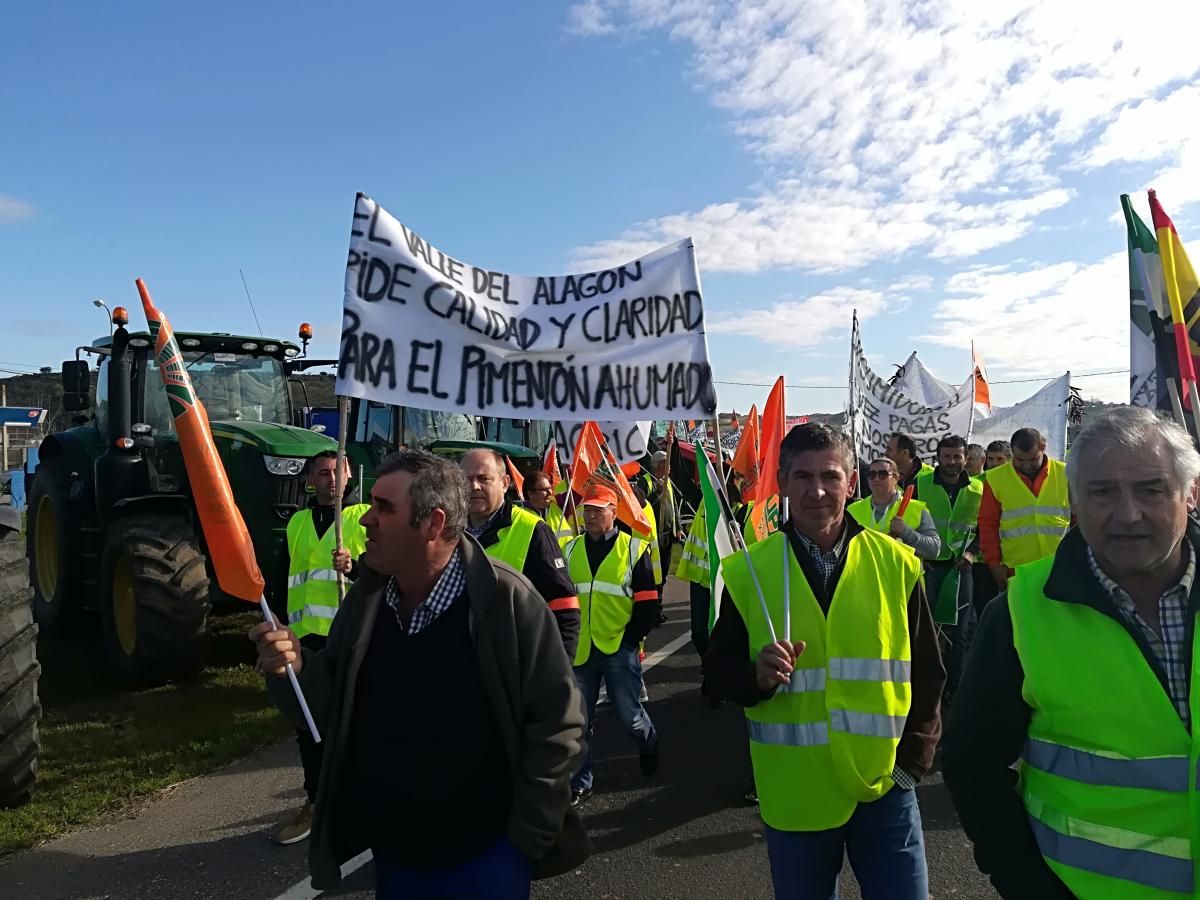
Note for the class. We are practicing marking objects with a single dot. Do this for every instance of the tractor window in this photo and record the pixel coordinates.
(422, 427)
(102, 396)
(232, 387)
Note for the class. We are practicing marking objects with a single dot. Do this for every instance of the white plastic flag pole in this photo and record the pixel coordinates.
(312, 726)
(787, 558)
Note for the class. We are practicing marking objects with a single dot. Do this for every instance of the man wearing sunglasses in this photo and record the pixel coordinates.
(880, 511)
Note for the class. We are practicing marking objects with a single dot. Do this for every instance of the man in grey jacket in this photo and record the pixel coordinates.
(446, 702)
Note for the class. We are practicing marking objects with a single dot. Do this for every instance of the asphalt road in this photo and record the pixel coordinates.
(686, 833)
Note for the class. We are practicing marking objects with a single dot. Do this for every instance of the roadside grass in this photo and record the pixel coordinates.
(105, 749)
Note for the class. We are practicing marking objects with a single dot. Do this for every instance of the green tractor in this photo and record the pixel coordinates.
(112, 530)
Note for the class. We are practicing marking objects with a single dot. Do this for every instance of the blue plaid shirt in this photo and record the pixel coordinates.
(1170, 649)
(447, 589)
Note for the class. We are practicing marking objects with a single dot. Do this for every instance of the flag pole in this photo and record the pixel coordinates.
(308, 716)
(339, 482)
(739, 542)
(718, 448)
(787, 571)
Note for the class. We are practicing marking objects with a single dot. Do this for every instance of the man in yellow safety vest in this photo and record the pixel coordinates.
(880, 511)
(314, 563)
(520, 538)
(1025, 509)
(539, 499)
(619, 605)
(841, 678)
(1085, 672)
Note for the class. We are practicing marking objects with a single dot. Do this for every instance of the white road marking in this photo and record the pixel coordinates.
(652, 660)
(304, 889)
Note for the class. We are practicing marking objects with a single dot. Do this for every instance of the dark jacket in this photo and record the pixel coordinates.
(531, 691)
(547, 572)
(729, 670)
(989, 724)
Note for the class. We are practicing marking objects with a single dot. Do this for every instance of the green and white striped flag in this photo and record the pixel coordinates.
(717, 518)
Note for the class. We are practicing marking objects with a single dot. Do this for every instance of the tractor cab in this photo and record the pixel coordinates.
(113, 527)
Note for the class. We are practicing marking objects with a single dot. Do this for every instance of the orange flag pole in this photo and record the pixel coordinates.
(230, 549)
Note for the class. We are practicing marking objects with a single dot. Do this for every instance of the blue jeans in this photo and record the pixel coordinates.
(883, 840)
(622, 674)
(501, 872)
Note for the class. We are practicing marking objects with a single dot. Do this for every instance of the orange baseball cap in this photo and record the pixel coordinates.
(599, 495)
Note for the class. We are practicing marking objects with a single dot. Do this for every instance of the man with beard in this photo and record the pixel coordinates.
(952, 497)
(1025, 509)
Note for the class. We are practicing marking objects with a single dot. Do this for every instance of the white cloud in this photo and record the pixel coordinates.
(588, 19)
(13, 210)
(1041, 319)
(1157, 130)
(898, 126)
(801, 323)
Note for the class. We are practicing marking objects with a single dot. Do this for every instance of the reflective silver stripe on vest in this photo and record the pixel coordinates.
(866, 724)
(1016, 513)
(316, 612)
(1047, 530)
(804, 681)
(788, 734)
(1166, 873)
(1165, 773)
(604, 587)
(294, 581)
(850, 669)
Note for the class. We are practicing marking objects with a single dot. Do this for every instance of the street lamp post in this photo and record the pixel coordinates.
(100, 304)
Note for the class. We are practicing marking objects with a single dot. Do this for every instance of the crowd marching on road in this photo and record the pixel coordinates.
(1041, 611)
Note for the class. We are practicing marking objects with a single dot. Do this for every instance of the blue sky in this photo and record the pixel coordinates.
(951, 172)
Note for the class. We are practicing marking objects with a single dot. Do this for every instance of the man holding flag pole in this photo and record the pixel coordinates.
(842, 702)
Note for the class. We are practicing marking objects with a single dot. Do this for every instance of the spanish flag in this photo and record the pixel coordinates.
(1183, 295)
(230, 549)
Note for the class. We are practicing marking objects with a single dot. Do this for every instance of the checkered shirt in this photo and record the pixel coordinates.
(1171, 648)
(448, 588)
(826, 563)
(476, 531)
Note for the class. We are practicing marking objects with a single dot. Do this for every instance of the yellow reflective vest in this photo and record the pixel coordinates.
(863, 513)
(1108, 773)
(652, 541)
(1031, 527)
(693, 564)
(827, 741)
(312, 597)
(558, 524)
(512, 541)
(605, 596)
(956, 524)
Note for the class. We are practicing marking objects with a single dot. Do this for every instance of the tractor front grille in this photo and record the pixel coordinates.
(289, 496)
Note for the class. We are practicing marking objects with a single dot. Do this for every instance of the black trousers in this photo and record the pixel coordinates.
(311, 753)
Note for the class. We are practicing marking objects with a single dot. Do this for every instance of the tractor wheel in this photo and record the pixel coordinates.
(54, 549)
(20, 710)
(154, 600)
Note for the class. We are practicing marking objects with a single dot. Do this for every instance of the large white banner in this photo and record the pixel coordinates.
(927, 409)
(877, 409)
(626, 439)
(1046, 411)
(422, 328)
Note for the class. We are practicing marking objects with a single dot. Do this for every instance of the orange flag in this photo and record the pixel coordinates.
(765, 514)
(229, 547)
(733, 421)
(551, 468)
(983, 393)
(517, 478)
(594, 463)
(745, 458)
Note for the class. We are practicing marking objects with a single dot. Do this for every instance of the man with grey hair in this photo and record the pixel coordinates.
(447, 706)
(1083, 673)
